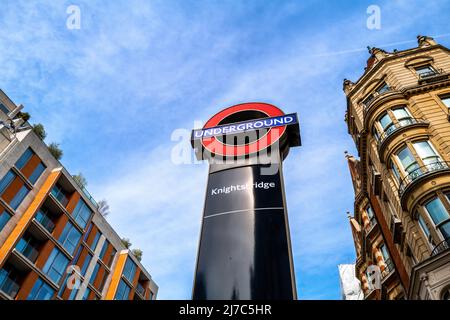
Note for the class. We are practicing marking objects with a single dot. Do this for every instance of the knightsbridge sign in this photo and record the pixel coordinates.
(245, 126)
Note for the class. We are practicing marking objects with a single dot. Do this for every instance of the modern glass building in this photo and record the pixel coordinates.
(54, 243)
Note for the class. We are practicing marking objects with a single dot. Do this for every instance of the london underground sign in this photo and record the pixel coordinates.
(266, 120)
(246, 126)
(244, 249)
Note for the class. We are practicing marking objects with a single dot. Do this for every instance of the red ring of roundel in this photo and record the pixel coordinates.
(215, 146)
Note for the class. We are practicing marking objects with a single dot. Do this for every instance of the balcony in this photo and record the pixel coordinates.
(8, 285)
(441, 247)
(91, 199)
(420, 173)
(388, 269)
(27, 250)
(394, 128)
(367, 103)
(45, 221)
(140, 290)
(432, 76)
(60, 195)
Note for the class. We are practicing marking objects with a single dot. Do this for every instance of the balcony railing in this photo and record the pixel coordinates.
(140, 289)
(402, 123)
(421, 172)
(444, 245)
(88, 195)
(8, 286)
(45, 221)
(431, 73)
(369, 100)
(389, 267)
(30, 252)
(60, 196)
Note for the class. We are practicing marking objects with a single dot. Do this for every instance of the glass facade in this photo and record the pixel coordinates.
(70, 237)
(95, 240)
(86, 262)
(129, 270)
(36, 173)
(104, 248)
(41, 291)
(24, 158)
(4, 218)
(123, 291)
(56, 265)
(18, 198)
(94, 273)
(60, 195)
(82, 213)
(6, 180)
(27, 245)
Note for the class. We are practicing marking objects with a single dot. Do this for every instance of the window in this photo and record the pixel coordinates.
(383, 88)
(36, 173)
(70, 237)
(82, 213)
(111, 258)
(27, 245)
(4, 108)
(86, 294)
(94, 273)
(407, 160)
(102, 284)
(56, 265)
(104, 248)
(371, 215)
(384, 252)
(395, 170)
(385, 122)
(129, 270)
(24, 158)
(425, 229)
(439, 215)
(425, 71)
(426, 152)
(43, 217)
(41, 291)
(86, 262)
(7, 179)
(88, 232)
(73, 293)
(95, 240)
(123, 291)
(4, 218)
(446, 100)
(402, 115)
(18, 198)
(60, 195)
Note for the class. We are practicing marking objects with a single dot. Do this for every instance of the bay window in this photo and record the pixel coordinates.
(391, 120)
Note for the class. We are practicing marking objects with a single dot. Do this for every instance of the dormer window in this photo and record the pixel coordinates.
(425, 71)
(383, 88)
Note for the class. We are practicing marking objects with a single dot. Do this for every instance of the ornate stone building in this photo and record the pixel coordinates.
(398, 116)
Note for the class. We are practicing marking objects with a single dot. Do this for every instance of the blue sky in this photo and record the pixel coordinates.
(113, 92)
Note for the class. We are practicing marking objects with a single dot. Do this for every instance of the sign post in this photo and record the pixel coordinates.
(244, 250)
